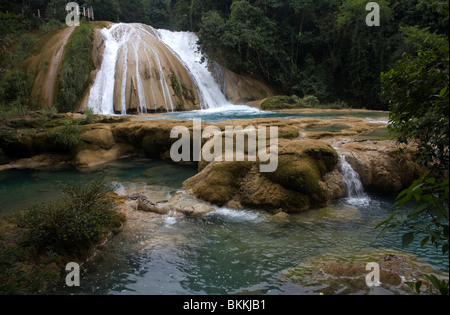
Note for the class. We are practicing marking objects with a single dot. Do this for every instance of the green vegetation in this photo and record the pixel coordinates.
(64, 138)
(15, 87)
(287, 102)
(39, 242)
(76, 68)
(82, 218)
(42, 132)
(322, 48)
(418, 88)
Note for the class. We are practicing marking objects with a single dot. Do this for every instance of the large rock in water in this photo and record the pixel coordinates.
(295, 185)
(334, 272)
(382, 166)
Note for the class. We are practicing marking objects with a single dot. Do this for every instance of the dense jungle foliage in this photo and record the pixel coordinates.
(303, 47)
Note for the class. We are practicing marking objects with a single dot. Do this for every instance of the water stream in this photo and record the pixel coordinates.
(224, 252)
(355, 189)
(184, 45)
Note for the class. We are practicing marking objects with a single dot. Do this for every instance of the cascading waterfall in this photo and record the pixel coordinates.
(355, 189)
(124, 39)
(165, 87)
(184, 45)
(101, 96)
(141, 60)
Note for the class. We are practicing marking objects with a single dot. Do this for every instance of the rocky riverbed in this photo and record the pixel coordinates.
(308, 171)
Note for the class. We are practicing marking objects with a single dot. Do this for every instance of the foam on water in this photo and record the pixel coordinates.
(237, 215)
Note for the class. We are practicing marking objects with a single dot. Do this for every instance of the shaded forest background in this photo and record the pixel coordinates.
(302, 47)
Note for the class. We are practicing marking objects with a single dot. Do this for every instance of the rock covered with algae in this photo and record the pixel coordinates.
(334, 273)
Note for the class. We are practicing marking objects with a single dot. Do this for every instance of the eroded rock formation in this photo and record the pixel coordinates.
(307, 173)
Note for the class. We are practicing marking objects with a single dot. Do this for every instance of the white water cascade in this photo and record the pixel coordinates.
(122, 42)
(184, 45)
(355, 189)
(101, 96)
(139, 62)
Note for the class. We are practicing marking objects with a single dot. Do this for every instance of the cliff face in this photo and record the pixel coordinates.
(45, 65)
(237, 88)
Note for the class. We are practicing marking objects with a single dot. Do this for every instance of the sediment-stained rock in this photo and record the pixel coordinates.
(307, 172)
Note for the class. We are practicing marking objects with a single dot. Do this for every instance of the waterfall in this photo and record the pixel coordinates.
(101, 96)
(128, 41)
(355, 189)
(184, 45)
(141, 59)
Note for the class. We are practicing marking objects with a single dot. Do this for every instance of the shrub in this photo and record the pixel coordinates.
(15, 87)
(418, 91)
(73, 224)
(64, 138)
(89, 113)
(310, 101)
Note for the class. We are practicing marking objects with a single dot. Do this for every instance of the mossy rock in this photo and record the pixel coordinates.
(288, 132)
(279, 102)
(13, 143)
(294, 186)
(221, 181)
(335, 272)
(287, 102)
(296, 173)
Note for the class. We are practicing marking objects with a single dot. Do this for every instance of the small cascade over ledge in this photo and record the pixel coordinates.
(355, 189)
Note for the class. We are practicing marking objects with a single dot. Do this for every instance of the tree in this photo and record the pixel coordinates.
(364, 52)
(417, 88)
(105, 10)
(245, 42)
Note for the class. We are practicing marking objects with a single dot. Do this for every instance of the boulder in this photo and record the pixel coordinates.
(295, 185)
(92, 157)
(383, 166)
(337, 273)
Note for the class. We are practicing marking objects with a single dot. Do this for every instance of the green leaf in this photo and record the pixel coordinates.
(407, 239)
(418, 286)
(424, 241)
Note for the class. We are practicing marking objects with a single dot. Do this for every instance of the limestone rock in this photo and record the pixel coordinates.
(382, 166)
(100, 135)
(335, 273)
(295, 185)
(239, 89)
(92, 157)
